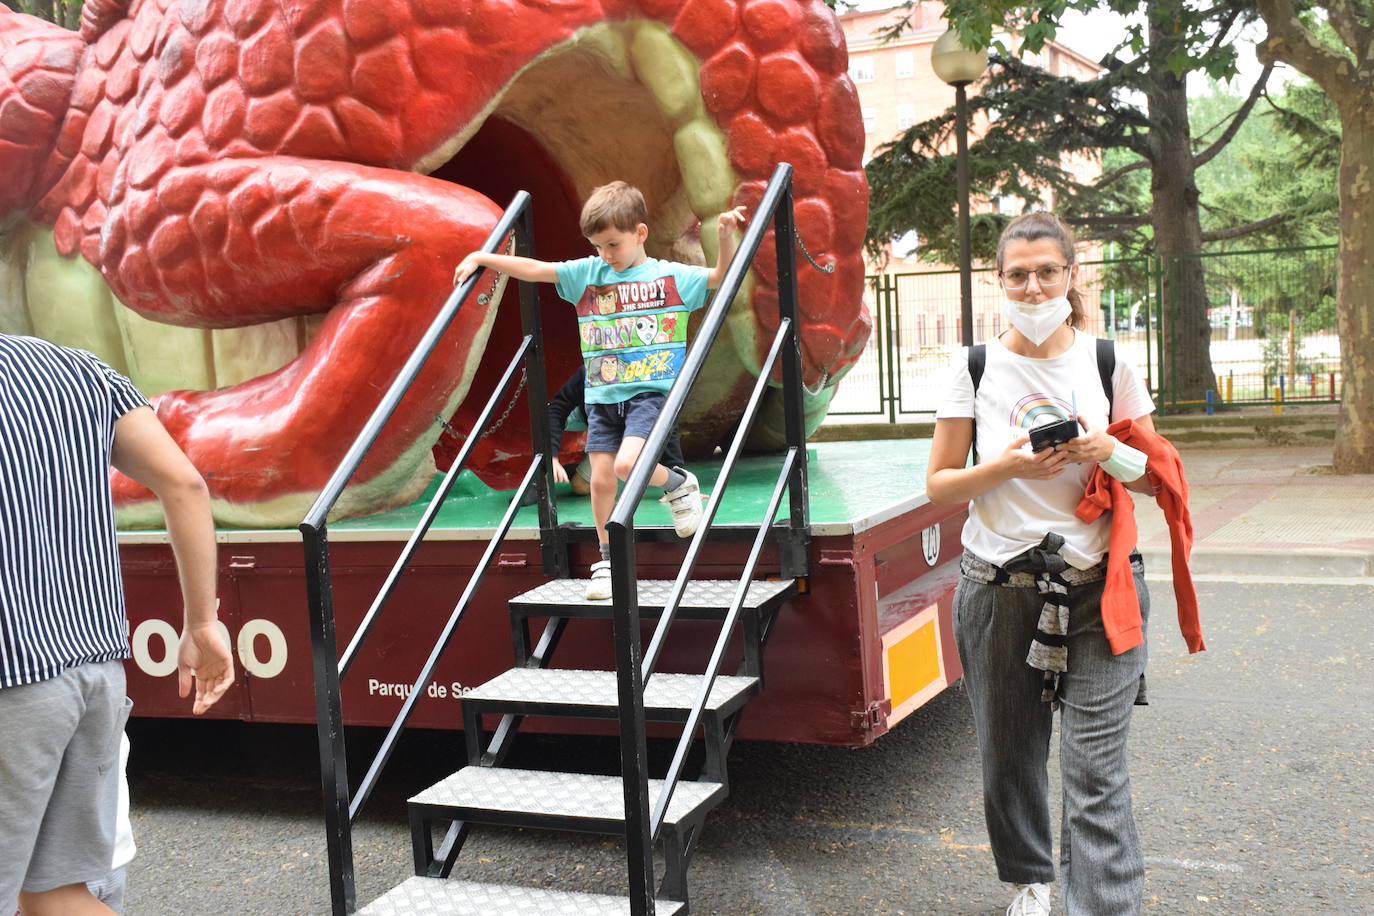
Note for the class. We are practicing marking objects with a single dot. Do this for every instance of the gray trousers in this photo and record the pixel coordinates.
(1099, 846)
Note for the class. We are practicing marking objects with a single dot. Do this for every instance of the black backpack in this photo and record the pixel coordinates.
(1106, 366)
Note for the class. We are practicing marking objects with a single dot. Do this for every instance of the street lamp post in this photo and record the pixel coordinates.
(958, 66)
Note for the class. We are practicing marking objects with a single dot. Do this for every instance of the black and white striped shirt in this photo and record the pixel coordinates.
(61, 597)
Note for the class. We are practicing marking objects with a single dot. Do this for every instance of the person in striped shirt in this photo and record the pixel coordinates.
(65, 418)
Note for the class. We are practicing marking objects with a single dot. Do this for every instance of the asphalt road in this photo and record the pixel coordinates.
(1253, 771)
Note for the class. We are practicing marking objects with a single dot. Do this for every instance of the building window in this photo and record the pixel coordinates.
(861, 69)
(906, 65)
(870, 120)
(1010, 205)
(906, 115)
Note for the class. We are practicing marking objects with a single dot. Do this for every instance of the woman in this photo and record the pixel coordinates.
(1028, 620)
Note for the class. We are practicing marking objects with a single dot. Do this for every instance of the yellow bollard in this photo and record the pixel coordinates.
(1229, 379)
(1278, 399)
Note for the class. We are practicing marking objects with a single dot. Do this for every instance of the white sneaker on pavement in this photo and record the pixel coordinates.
(1030, 900)
(599, 585)
(685, 504)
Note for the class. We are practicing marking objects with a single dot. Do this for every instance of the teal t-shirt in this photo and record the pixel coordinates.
(632, 325)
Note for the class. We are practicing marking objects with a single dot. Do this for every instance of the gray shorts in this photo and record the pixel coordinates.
(59, 779)
(609, 424)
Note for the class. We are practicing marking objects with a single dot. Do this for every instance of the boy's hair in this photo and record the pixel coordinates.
(617, 205)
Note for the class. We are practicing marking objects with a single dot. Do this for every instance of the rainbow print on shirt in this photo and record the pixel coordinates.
(1030, 410)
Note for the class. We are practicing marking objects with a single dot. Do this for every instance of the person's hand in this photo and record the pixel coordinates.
(1045, 464)
(730, 220)
(466, 268)
(560, 473)
(1093, 447)
(203, 657)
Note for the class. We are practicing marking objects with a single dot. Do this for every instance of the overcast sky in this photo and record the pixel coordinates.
(1096, 34)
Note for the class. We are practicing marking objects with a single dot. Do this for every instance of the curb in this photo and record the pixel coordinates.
(1297, 563)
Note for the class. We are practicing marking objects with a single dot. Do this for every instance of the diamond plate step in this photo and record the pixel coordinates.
(435, 896)
(558, 801)
(705, 599)
(568, 692)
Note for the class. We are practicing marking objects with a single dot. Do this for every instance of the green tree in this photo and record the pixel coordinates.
(1041, 121)
(66, 13)
(1282, 160)
(1341, 62)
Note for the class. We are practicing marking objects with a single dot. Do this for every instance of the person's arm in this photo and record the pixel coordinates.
(726, 224)
(948, 480)
(145, 452)
(564, 401)
(511, 265)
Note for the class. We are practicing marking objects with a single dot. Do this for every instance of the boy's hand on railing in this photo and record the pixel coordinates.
(729, 221)
(466, 268)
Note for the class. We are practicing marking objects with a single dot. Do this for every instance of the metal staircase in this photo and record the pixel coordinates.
(666, 808)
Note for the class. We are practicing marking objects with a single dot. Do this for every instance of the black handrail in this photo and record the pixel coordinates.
(642, 827)
(436, 503)
(427, 671)
(329, 669)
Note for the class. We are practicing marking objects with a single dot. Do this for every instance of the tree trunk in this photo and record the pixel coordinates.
(1354, 452)
(1187, 370)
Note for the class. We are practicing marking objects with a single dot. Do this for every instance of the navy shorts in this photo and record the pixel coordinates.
(609, 424)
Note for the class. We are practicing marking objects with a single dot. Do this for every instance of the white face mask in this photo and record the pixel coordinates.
(1037, 320)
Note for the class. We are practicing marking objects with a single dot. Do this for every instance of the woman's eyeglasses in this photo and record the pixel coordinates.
(1049, 275)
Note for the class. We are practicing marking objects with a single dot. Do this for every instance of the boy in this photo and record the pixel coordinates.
(632, 322)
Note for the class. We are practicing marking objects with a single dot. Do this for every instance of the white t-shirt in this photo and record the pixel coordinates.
(1015, 394)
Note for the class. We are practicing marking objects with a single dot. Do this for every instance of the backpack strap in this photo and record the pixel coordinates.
(1106, 368)
(977, 362)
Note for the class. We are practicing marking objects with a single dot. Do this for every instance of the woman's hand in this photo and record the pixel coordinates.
(1093, 447)
(1045, 464)
(560, 473)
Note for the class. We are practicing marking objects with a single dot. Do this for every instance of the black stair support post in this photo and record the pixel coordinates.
(753, 645)
(634, 752)
(472, 732)
(442, 864)
(548, 641)
(796, 545)
(552, 546)
(675, 853)
(520, 638)
(421, 842)
(715, 745)
(329, 720)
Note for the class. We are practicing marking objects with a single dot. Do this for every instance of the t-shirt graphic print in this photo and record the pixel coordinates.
(632, 326)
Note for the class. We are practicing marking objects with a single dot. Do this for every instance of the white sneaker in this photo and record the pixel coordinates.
(685, 504)
(1030, 900)
(599, 585)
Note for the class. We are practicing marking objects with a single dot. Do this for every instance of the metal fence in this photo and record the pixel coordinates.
(1271, 316)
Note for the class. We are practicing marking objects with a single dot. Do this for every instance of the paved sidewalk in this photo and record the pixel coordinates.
(1269, 512)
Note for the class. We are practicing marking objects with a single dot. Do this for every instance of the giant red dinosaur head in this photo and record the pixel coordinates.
(275, 195)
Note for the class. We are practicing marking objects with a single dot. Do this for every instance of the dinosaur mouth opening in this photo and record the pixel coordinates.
(624, 122)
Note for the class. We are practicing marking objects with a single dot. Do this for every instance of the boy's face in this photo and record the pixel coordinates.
(620, 249)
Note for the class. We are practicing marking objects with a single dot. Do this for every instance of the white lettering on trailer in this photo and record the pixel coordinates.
(165, 664)
(276, 648)
(167, 635)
